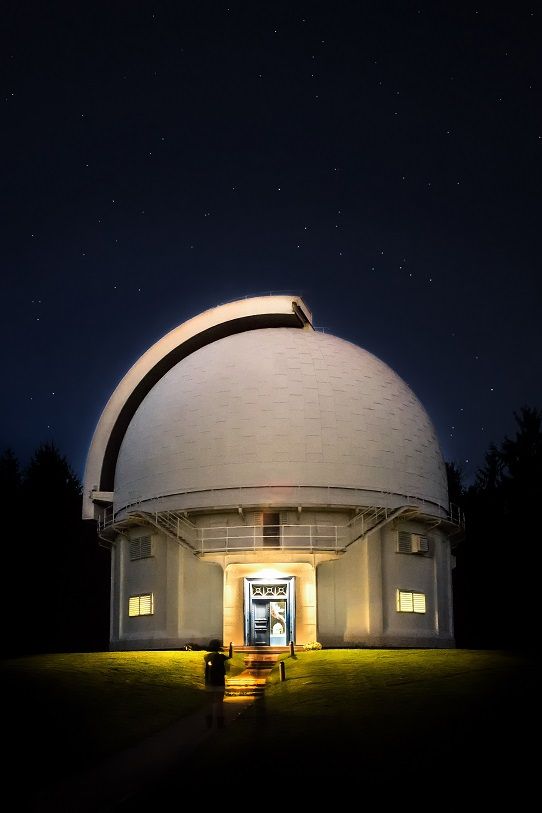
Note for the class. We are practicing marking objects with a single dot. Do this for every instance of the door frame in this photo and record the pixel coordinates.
(259, 589)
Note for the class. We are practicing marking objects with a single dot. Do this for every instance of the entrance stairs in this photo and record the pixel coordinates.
(259, 661)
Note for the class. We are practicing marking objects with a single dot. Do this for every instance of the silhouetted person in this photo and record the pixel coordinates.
(215, 682)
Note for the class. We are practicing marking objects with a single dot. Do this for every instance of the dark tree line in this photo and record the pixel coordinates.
(56, 576)
(496, 578)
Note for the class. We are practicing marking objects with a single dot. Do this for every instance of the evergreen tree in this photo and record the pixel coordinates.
(496, 576)
(454, 476)
(521, 459)
(10, 479)
(489, 477)
(12, 559)
(59, 575)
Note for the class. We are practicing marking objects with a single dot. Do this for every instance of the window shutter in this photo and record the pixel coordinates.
(404, 602)
(404, 542)
(418, 602)
(140, 548)
(141, 605)
(412, 543)
(420, 544)
(410, 602)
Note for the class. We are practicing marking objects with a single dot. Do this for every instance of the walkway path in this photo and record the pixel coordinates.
(111, 784)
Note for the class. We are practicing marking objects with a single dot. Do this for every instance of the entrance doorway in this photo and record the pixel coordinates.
(269, 612)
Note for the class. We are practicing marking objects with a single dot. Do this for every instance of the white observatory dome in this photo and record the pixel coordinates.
(279, 407)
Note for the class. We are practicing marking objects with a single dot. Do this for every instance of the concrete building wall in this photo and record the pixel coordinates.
(342, 593)
(142, 577)
(201, 607)
(348, 599)
(357, 593)
(428, 573)
(115, 602)
(187, 595)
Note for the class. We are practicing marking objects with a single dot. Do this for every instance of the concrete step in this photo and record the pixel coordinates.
(244, 691)
(245, 686)
(266, 650)
(259, 663)
(251, 681)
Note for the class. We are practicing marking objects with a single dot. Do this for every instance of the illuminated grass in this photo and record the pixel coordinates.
(85, 706)
(356, 714)
(335, 706)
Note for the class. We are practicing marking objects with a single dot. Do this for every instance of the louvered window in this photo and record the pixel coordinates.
(420, 544)
(404, 543)
(412, 543)
(140, 548)
(410, 602)
(141, 605)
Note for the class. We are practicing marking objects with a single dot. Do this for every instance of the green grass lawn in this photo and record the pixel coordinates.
(355, 712)
(67, 710)
(385, 716)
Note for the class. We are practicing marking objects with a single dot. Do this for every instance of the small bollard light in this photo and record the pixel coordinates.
(292, 651)
(282, 670)
(231, 649)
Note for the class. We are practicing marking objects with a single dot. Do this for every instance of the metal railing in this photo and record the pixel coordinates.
(228, 538)
(272, 537)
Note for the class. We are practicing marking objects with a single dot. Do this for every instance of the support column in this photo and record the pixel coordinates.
(375, 612)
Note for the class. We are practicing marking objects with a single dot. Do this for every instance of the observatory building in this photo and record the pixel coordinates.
(266, 483)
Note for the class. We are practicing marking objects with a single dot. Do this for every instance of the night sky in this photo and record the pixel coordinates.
(380, 159)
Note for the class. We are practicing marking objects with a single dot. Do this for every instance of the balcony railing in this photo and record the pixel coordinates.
(230, 538)
(272, 537)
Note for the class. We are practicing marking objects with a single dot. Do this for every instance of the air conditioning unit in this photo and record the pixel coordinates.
(420, 544)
